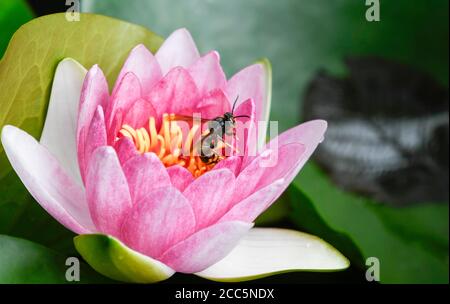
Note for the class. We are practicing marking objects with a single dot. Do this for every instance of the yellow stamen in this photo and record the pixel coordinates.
(170, 144)
(153, 133)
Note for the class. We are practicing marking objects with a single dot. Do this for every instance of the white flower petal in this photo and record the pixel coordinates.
(267, 251)
(47, 181)
(59, 133)
(178, 49)
(255, 82)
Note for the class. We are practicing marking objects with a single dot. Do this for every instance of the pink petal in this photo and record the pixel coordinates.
(96, 137)
(127, 93)
(290, 157)
(207, 73)
(178, 49)
(107, 191)
(139, 113)
(180, 177)
(254, 82)
(246, 129)
(298, 144)
(253, 172)
(47, 181)
(205, 247)
(249, 83)
(232, 163)
(93, 94)
(212, 105)
(174, 93)
(210, 195)
(255, 204)
(125, 149)
(116, 125)
(143, 64)
(158, 221)
(310, 134)
(247, 108)
(144, 173)
(258, 174)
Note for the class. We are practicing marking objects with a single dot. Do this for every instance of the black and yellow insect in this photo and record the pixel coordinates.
(218, 128)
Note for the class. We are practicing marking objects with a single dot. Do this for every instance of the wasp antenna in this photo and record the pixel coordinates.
(234, 104)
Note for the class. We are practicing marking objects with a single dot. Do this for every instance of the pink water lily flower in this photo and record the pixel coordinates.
(109, 168)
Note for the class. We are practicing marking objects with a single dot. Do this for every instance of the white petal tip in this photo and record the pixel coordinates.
(7, 131)
(72, 62)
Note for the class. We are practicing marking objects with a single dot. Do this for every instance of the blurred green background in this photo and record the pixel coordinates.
(300, 37)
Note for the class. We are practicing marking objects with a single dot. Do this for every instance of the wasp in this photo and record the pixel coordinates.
(218, 127)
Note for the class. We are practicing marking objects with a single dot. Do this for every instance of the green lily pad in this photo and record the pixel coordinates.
(25, 262)
(26, 73)
(113, 259)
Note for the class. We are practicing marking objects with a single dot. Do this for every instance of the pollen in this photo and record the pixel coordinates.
(172, 144)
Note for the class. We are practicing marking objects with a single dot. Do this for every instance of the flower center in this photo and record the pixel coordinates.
(172, 144)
